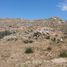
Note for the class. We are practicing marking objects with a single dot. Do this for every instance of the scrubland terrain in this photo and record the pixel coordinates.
(33, 43)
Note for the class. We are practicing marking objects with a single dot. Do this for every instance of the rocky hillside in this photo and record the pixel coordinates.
(54, 21)
(33, 43)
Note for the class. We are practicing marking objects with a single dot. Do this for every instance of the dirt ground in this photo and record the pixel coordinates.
(12, 54)
(45, 52)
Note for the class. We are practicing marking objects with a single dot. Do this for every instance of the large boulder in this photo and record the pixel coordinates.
(36, 34)
(10, 38)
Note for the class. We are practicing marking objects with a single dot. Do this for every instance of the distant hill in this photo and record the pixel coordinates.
(53, 22)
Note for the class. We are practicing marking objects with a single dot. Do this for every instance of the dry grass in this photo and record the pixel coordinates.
(12, 53)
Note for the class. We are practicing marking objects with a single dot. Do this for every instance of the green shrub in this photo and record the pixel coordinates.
(53, 39)
(4, 33)
(49, 48)
(63, 54)
(28, 50)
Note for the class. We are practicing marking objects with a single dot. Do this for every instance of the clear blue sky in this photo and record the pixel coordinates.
(33, 9)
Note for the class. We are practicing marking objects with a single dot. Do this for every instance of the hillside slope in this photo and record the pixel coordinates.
(33, 43)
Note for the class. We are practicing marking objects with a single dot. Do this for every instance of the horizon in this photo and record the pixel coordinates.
(33, 18)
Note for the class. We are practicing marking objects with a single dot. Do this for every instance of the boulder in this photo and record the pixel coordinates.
(36, 34)
(10, 38)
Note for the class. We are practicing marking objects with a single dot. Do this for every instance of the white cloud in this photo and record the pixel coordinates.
(64, 8)
(63, 5)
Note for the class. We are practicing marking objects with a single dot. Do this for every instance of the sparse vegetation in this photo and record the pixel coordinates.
(49, 48)
(28, 50)
(48, 37)
(38, 40)
(63, 54)
(28, 41)
(4, 33)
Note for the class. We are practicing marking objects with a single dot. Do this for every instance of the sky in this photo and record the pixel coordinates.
(33, 9)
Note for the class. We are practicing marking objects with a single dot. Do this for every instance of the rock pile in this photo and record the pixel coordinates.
(47, 34)
(31, 35)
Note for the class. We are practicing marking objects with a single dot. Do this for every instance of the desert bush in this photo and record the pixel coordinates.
(4, 33)
(49, 48)
(63, 54)
(7, 32)
(47, 37)
(25, 41)
(28, 50)
(28, 41)
(53, 39)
